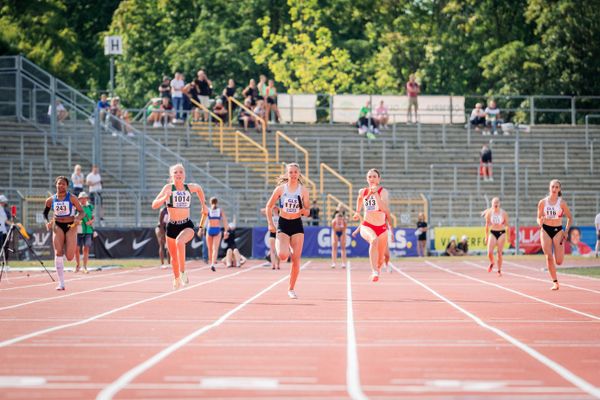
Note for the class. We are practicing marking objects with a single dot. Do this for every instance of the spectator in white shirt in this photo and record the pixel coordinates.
(492, 117)
(61, 112)
(382, 116)
(477, 118)
(177, 85)
(78, 180)
(94, 182)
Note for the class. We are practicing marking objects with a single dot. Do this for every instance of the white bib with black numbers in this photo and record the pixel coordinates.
(62, 208)
(552, 211)
(181, 198)
(289, 201)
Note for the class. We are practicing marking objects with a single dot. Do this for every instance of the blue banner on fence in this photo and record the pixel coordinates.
(317, 243)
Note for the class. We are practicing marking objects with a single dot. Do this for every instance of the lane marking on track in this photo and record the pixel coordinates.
(63, 296)
(352, 368)
(592, 316)
(553, 365)
(18, 339)
(534, 278)
(109, 391)
(587, 278)
(85, 277)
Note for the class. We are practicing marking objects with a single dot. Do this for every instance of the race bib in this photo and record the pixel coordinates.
(291, 205)
(61, 209)
(182, 199)
(496, 219)
(370, 204)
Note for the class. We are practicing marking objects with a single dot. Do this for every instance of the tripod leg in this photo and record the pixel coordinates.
(35, 254)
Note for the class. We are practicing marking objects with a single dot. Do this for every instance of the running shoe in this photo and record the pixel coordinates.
(212, 267)
(292, 294)
(375, 276)
(554, 286)
(332, 265)
(343, 266)
(85, 270)
(60, 287)
(491, 267)
(184, 278)
(389, 268)
(176, 283)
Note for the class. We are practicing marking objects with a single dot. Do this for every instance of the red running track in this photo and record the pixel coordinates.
(431, 329)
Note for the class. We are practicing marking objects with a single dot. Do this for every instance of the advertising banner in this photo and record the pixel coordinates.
(475, 237)
(317, 243)
(581, 240)
(432, 109)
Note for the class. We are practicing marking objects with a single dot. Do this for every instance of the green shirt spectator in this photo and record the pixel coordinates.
(89, 216)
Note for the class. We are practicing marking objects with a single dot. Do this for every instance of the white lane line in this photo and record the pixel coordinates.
(352, 369)
(18, 339)
(588, 315)
(109, 391)
(63, 296)
(587, 278)
(535, 279)
(559, 369)
(85, 277)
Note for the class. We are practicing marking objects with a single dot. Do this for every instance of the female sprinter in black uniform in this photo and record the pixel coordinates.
(64, 225)
(180, 229)
(290, 232)
(551, 210)
(496, 232)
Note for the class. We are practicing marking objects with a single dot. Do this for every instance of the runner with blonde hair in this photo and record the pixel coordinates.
(180, 229)
(292, 196)
(496, 232)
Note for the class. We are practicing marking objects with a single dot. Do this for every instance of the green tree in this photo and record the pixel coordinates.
(301, 55)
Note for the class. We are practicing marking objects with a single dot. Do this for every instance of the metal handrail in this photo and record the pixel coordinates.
(215, 116)
(264, 125)
(240, 135)
(285, 137)
(322, 169)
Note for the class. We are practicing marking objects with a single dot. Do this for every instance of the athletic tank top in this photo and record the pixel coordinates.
(339, 225)
(63, 208)
(180, 198)
(369, 200)
(290, 201)
(552, 211)
(497, 219)
(214, 213)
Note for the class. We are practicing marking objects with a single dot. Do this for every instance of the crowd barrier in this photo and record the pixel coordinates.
(253, 242)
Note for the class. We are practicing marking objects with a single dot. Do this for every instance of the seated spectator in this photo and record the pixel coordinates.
(167, 114)
(153, 113)
(220, 110)
(463, 245)
(477, 118)
(452, 249)
(61, 112)
(251, 91)
(271, 96)
(103, 107)
(260, 111)
(492, 117)
(164, 89)
(115, 114)
(366, 123)
(245, 118)
(382, 115)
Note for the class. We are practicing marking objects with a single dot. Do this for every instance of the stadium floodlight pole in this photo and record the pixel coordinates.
(517, 190)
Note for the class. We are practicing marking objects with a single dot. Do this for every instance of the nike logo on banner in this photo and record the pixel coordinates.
(196, 244)
(137, 245)
(109, 245)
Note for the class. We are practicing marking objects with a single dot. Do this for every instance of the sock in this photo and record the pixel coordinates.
(60, 270)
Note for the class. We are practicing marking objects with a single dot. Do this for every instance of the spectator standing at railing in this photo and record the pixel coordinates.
(486, 163)
(229, 91)
(103, 107)
(492, 117)
(94, 182)
(271, 98)
(412, 90)
(191, 93)
(477, 118)
(177, 85)
(164, 89)
(262, 87)
(77, 180)
(382, 115)
(204, 88)
(251, 91)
